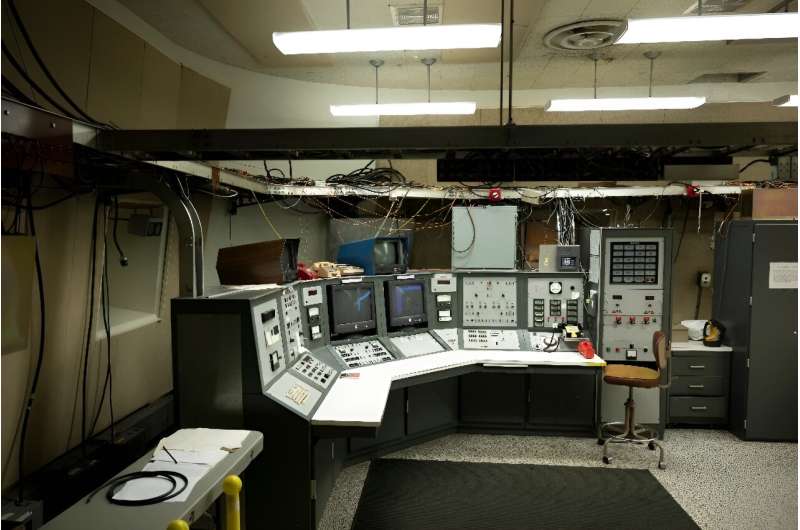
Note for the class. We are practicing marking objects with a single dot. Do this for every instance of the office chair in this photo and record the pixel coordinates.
(629, 432)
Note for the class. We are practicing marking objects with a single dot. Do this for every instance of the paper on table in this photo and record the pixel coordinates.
(209, 458)
(145, 488)
(204, 439)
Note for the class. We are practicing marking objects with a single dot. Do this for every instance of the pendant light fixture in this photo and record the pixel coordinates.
(401, 38)
(405, 109)
(616, 104)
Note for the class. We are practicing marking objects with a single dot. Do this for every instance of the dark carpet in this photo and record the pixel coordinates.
(421, 494)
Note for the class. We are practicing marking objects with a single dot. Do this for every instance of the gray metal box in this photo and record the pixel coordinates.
(559, 258)
(484, 237)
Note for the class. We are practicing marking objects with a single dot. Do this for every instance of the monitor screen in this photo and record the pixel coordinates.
(388, 255)
(352, 308)
(406, 303)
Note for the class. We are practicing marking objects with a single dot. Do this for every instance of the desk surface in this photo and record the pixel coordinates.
(697, 345)
(100, 513)
(360, 401)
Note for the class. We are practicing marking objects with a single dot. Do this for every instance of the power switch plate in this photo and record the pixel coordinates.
(630, 354)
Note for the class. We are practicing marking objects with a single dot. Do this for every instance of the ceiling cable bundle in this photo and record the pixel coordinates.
(373, 180)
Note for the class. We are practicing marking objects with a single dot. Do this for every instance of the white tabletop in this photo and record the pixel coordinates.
(697, 345)
(360, 401)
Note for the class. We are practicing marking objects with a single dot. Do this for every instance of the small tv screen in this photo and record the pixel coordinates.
(388, 256)
(406, 303)
(352, 308)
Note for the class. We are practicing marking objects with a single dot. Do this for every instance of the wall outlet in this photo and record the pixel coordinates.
(704, 279)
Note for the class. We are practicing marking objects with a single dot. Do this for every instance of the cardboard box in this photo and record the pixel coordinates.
(775, 203)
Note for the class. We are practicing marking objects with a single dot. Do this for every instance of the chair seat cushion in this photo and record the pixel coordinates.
(625, 374)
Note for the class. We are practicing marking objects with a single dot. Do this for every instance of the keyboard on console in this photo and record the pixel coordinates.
(362, 353)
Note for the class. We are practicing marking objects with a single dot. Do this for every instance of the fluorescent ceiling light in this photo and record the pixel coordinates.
(600, 104)
(786, 101)
(405, 109)
(403, 38)
(711, 28)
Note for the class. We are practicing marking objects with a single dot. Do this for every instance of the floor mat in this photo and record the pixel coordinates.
(421, 494)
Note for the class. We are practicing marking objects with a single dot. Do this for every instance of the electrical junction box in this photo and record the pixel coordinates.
(559, 258)
(484, 237)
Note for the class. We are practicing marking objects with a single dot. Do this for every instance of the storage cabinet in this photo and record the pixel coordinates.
(698, 394)
(564, 402)
(432, 406)
(392, 427)
(493, 399)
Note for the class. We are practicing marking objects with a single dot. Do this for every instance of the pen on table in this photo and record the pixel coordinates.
(170, 455)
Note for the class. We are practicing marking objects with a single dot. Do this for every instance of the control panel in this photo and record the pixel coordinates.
(443, 287)
(554, 301)
(295, 394)
(447, 335)
(491, 339)
(416, 344)
(312, 303)
(271, 348)
(315, 370)
(490, 302)
(544, 341)
(293, 328)
(362, 353)
(634, 272)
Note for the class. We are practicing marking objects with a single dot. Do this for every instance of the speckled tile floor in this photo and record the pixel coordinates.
(719, 480)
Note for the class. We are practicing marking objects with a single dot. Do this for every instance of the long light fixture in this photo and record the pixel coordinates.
(602, 104)
(404, 38)
(405, 109)
(786, 101)
(637, 103)
(711, 28)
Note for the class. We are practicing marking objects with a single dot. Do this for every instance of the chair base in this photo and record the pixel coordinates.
(629, 432)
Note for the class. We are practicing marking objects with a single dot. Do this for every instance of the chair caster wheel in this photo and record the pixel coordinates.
(607, 459)
(600, 441)
(651, 446)
(662, 465)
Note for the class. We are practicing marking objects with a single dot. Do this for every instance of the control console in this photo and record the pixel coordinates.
(490, 301)
(293, 329)
(490, 339)
(315, 370)
(362, 353)
(417, 344)
(553, 301)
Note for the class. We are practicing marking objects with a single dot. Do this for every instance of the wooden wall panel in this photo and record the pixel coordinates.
(161, 85)
(203, 102)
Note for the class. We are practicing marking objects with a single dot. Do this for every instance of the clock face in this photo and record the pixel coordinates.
(555, 287)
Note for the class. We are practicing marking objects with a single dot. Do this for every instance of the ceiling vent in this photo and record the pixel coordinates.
(585, 35)
(714, 7)
(730, 77)
(411, 15)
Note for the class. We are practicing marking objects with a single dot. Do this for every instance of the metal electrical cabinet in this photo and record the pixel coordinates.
(755, 298)
(484, 237)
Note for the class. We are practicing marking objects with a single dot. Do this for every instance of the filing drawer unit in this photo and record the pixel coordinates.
(698, 394)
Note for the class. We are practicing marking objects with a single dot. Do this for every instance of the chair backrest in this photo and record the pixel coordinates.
(661, 350)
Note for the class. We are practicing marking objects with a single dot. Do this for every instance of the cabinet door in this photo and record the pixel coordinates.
(559, 400)
(392, 427)
(493, 399)
(432, 406)
(328, 455)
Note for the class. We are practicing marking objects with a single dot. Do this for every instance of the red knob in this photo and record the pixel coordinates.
(618, 320)
(632, 320)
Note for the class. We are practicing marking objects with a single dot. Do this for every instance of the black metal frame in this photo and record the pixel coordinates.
(437, 142)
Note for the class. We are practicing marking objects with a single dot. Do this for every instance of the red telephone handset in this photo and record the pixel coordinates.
(586, 349)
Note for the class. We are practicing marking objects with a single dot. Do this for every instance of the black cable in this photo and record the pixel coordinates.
(115, 484)
(472, 242)
(33, 83)
(683, 232)
(87, 349)
(756, 161)
(123, 259)
(44, 206)
(41, 63)
(39, 359)
(697, 304)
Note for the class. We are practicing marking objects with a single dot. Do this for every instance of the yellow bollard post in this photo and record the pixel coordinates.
(178, 524)
(231, 486)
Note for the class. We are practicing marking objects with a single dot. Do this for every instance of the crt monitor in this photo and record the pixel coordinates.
(352, 308)
(389, 256)
(406, 303)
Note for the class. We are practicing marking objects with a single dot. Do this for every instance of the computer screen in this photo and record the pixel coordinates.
(388, 254)
(406, 303)
(352, 308)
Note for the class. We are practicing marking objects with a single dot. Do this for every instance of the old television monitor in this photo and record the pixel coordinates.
(379, 255)
(351, 308)
(405, 303)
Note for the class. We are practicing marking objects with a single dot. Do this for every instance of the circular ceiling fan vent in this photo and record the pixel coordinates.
(585, 35)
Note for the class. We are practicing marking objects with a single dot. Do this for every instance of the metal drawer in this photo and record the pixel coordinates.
(698, 407)
(696, 363)
(693, 385)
